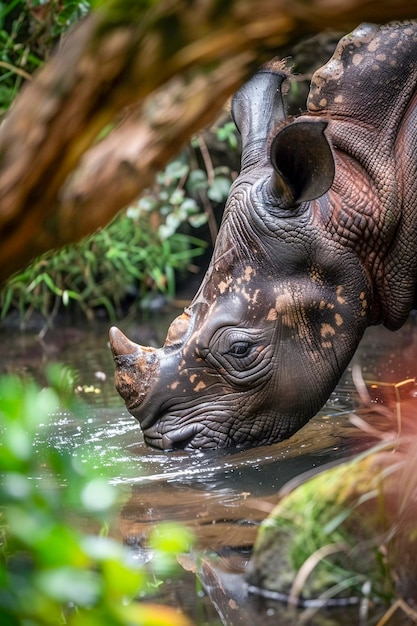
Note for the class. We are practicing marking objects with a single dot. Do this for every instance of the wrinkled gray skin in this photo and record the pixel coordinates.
(317, 242)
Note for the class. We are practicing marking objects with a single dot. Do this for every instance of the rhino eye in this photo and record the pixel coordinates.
(240, 348)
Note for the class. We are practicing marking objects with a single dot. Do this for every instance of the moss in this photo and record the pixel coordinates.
(330, 532)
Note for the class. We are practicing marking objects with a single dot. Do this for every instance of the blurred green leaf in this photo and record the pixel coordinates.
(50, 572)
(197, 220)
(197, 180)
(168, 540)
(219, 188)
(228, 133)
(66, 584)
(98, 495)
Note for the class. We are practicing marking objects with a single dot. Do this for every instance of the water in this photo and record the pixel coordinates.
(221, 495)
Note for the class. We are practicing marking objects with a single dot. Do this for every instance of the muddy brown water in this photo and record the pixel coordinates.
(222, 495)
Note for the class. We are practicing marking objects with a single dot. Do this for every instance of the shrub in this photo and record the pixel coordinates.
(28, 32)
(141, 252)
(50, 572)
(144, 248)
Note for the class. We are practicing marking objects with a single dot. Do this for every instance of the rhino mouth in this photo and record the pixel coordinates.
(180, 438)
(167, 433)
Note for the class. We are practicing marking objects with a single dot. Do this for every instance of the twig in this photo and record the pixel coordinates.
(308, 566)
(16, 70)
(208, 164)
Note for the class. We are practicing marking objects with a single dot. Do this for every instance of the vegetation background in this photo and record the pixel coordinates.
(147, 246)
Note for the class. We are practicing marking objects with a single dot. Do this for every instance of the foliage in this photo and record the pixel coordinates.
(334, 528)
(28, 32)
(51, 573)
(139, 253)
(127, 257)
(142, 249)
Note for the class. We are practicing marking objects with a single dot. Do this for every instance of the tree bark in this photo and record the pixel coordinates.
(157, 75)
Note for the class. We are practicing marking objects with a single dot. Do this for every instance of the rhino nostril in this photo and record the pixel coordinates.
(120, 344)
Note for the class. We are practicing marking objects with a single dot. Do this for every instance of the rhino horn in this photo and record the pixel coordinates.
(257, 108)
(137, 369)
(127, 352)
(120, 344)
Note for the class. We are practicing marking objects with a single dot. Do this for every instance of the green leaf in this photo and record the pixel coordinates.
(177, 196)
(176, 169)
(146, 204)
(196, 181)
(98, 495)
(122, 580)
(67, 584)
(166, 230)
(219, 189)
(197, 220)
(228, 133)
(17, 486)
(172, 538)
(189, 206)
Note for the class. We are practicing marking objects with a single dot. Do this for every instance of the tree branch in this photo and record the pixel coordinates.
(175, 64)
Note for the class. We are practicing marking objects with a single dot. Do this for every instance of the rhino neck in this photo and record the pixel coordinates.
(368, 92)
(375, 214)
(371, 72)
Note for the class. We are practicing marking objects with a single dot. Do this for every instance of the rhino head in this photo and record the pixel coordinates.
(313, 247)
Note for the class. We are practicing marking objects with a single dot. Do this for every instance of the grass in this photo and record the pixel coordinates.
(146, 247)
(142, 252)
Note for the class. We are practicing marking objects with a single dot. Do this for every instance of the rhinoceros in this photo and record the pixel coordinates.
(317, 243)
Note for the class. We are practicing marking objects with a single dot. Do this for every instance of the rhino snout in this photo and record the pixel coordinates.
(137, 369)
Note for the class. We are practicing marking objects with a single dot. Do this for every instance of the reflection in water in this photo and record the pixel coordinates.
(221, 495)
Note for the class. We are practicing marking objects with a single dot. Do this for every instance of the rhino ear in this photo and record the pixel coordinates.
(303, 162)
